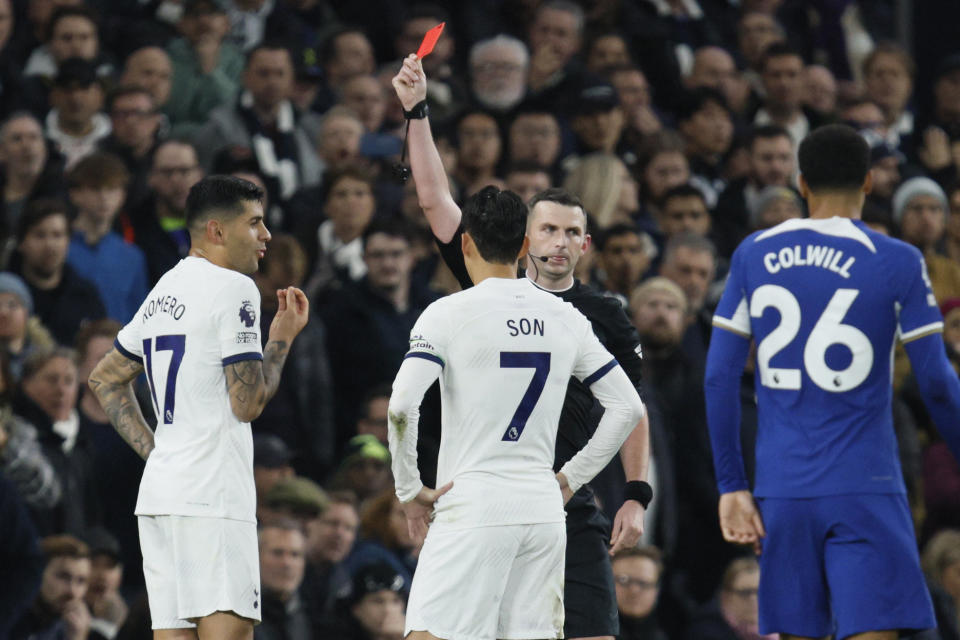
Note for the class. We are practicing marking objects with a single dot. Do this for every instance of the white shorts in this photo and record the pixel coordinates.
(196, 566)
(490, 582)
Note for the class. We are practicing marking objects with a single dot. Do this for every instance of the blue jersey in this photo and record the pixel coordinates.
(825, 301)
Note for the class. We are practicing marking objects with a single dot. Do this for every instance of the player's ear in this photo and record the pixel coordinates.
(804, 187)
(867, 183)
(466, 244)
(587, 241)
(214, 232)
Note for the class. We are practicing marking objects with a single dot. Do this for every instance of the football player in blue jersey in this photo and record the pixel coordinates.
(825, 299)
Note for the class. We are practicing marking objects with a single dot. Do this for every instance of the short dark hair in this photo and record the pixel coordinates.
(269, 45)
(426, 10)
(219, 193)
(696, 99)
(125, 90)
(335, 175)
(562, 197)
(71, 11)
(834, 157)
(389, 226)
(328, 48)
(103, 328)
(39, 210)
(779, 50)
(686, 190)
(615, 231)
(767, 131)
(497, 222)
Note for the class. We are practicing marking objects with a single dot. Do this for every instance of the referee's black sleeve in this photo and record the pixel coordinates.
(452, 254)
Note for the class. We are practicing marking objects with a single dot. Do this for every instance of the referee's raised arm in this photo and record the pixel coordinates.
(433, 189)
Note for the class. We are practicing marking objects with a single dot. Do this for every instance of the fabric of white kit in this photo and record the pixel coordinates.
(490, 582)
(196, 320)
(195, 566)
(501, 474)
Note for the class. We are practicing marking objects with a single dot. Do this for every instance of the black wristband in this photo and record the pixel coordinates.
(419, 111)
(638, 490)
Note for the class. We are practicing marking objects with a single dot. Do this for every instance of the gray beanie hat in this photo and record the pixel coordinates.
(11, 283)
(912, 188)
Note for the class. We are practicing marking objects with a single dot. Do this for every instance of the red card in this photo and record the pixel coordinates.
(429, 40)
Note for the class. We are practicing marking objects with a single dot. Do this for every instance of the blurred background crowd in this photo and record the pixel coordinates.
(675, 121)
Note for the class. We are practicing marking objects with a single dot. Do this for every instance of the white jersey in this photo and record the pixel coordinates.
(508, 350)
(196, 320)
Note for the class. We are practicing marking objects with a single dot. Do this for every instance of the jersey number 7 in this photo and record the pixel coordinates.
(176, 344)
(539, 361)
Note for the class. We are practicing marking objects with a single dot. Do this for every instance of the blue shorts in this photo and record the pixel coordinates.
(840, 565)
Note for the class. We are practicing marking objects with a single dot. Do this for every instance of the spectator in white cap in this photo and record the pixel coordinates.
(920, 209)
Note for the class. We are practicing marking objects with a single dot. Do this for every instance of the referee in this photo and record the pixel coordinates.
(558, 237)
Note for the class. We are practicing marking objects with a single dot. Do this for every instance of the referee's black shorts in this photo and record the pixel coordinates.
(589, 595)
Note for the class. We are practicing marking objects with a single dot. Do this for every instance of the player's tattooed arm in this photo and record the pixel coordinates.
(251, 383)
(110, 382)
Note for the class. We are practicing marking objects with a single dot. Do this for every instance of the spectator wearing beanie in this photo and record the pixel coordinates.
(21, 333)
(920, 210)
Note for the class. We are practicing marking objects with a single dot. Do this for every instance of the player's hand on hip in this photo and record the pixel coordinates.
(293, 311)
(419, 509)
(564, 487)
(740, 520)
(627, 526)
(410, 82)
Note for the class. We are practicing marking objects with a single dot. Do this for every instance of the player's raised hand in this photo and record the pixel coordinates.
(293, 311)
(419, 509)
(740, 520)
(410, 82)
(627, 526)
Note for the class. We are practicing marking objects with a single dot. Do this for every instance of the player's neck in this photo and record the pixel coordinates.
(213, 257)
(480, 270)
(830, 205)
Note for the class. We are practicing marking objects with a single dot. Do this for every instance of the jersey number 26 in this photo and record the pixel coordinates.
(828, 331)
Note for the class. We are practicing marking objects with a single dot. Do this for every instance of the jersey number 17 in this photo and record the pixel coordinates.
(176, 344)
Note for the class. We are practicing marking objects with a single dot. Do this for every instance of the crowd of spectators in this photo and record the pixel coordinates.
(676, 122)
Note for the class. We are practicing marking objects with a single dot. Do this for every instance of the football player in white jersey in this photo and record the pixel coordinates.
(197, 338)
(492, 564)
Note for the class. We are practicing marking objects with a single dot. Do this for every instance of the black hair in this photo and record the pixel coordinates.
(270, 45)
(615, 231)
(129, 90)
(497, 222)
(426, 10)
(328, 48)
(696, 99)
(72, 11)
(389, 226)
(685, 190)
(779, 50)
(220, 194)
(834, 157)
(36, 211)
(767, 131)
